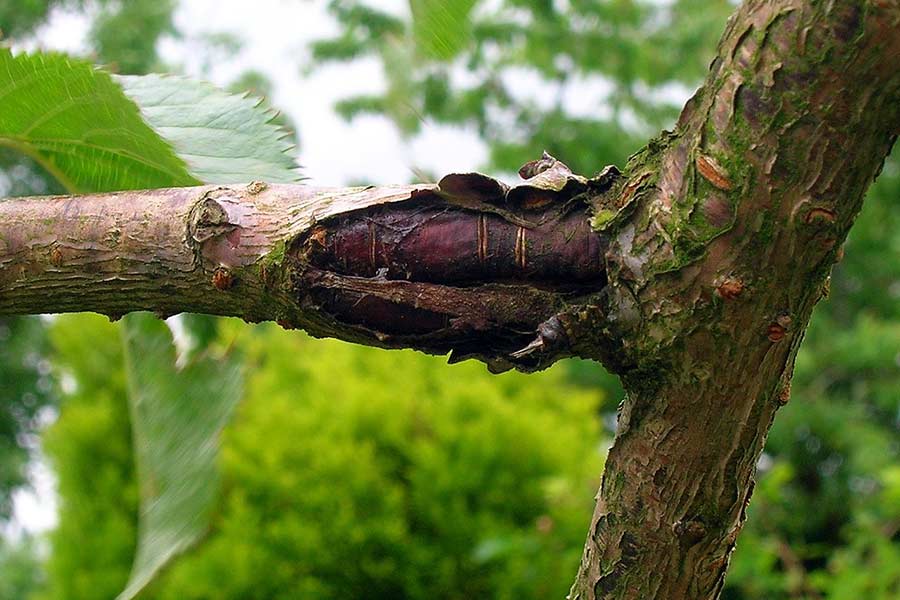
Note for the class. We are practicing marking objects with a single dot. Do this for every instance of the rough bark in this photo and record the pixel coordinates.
(734, 221)
(696, 283)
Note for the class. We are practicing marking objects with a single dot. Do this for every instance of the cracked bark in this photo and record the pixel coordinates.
(694, 282)
(469, 266)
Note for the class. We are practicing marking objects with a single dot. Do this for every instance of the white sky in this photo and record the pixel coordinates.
(276, 33)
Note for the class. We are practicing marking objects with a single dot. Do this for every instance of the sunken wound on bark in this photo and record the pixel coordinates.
(475, 268)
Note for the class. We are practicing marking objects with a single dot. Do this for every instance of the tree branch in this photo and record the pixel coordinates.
(469, 266)
(735, 220)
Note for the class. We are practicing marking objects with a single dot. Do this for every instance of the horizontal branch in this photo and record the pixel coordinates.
(469, 266)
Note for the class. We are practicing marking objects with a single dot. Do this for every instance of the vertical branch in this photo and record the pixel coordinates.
(471, 267)
(734, 222)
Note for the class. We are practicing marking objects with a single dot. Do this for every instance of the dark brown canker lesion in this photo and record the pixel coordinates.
(474, 268)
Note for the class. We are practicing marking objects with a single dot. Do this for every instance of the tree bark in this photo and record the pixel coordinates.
(735, 220)
(694, 282)
(469, 266)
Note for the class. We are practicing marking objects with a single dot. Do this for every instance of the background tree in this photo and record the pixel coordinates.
(588, 81)
(801, 560)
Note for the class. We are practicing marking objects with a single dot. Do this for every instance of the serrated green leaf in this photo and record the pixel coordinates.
(76, 121)
(176, 418)
(441, 28)
(79, 123)
(95, 132)
(224, 138)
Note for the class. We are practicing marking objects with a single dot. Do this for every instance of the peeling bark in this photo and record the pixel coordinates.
(695, 280)
(469, 267)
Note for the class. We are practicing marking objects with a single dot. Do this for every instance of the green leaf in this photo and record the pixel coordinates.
(79, 123)
(177, 415)
(96, 133)
(441, 28)
(224, 138)
(76, 121)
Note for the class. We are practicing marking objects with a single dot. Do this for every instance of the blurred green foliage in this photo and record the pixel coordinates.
(441, 29)
(25, 391)
(356, 472)
(347, 473)
(587, 80)
(90, 450)
(22, 17)
(20, 569)
(125, 33)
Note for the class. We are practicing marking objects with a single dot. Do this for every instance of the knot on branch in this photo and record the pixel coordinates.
(214, 228)
(208, 217)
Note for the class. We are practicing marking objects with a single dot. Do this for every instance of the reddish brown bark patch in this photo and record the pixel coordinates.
(478, 269)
